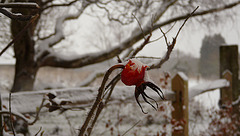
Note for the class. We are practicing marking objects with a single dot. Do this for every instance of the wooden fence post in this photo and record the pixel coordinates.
(226, 92)
(180, 105)
(229, 61)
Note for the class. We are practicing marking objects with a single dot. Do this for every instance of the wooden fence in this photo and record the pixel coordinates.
(26, 102)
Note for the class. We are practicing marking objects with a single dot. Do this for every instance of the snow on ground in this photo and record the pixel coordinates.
(118, 118)
(209, 99)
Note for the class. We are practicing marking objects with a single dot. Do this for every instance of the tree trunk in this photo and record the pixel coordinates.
(25, 67)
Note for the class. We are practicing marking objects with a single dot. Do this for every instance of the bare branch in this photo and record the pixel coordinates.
(170, 46)
(139, 26)
(58, 35)
(200, 13)
(163, 35)
(137, 50)
(185, 22)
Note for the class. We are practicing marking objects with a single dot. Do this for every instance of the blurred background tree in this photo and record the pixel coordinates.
(209, 56)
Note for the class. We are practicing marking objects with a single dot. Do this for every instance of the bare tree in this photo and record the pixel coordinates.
(35, 48)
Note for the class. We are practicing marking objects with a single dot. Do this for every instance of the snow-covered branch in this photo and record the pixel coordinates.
(200, 13)
(45, 45)
(58, 60)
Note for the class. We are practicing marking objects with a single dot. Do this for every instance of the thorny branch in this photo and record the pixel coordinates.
(98, 99)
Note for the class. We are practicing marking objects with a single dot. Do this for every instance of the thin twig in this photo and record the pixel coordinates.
(148, 57)
(139, 26)
(20, 34)
(137, 50)
(165, 37)
(38, 131)
(131, 127)
(38, 112)
(185, 22)
(170, 46)
(165, 33)
(11, 117)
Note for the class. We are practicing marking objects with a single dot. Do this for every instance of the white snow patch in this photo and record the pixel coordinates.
(206, 86)
(236, 101)
(183, 76)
